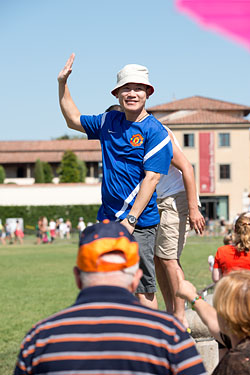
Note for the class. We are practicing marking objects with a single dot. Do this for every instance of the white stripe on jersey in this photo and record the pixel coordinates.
(128, 200)
(156, 148)
(103, 119)
(137, 188)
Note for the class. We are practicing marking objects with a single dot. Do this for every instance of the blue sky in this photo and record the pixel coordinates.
(37, 37)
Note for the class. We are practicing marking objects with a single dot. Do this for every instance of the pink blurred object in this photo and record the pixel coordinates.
(229, 17)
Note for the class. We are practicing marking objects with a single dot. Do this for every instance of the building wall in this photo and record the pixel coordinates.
(237, 155)
(50, 194)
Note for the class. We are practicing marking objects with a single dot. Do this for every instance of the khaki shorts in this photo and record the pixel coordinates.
(174, 226)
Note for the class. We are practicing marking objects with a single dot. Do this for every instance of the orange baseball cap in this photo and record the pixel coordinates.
(103, 238)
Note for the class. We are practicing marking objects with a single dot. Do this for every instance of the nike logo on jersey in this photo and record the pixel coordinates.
(110, 131)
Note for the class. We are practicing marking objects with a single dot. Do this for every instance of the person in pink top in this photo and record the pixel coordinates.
(19, 233)
(235, 255)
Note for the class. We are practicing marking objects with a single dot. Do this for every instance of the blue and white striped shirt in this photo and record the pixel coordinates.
(107, 331)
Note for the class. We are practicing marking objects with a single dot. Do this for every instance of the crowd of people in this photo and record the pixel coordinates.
(149, 204)
(11, 232)
(48, 231)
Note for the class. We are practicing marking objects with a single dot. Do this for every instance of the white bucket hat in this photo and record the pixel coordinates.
(132, 73)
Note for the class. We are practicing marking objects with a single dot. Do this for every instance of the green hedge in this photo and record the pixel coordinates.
(30, 214)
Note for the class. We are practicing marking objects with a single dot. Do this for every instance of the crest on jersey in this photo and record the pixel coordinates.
(136, 140)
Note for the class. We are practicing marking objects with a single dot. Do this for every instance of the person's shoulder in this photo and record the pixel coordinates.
(154, 126)
(152, 120)
(115, 115)
(225, 248)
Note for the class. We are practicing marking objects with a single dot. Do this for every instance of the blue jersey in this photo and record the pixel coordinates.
(128, 149)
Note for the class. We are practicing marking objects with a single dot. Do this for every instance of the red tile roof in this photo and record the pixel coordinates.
(200, 102)
(49, 151)
(201, 117)
(54, 145)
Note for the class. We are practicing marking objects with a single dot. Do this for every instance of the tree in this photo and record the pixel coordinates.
(68, 170)
(47, 171)
(75, 136)
(65, 136)
(39, 174)
(82, 170)
(2, 174)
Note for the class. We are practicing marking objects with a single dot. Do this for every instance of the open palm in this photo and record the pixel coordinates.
(65, 72)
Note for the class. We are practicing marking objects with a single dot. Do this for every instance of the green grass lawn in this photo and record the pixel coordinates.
(37, 280)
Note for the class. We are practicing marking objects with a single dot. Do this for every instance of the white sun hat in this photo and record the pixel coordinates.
(132, 73)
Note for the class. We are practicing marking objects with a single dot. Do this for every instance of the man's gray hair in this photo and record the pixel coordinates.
(121, 278)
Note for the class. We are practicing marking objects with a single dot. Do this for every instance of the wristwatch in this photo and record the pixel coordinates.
(132, 220)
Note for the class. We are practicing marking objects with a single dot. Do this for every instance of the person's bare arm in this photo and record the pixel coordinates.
(68, 107)
(144, 195)
(216, 274)
(206, 312)
(197, 221)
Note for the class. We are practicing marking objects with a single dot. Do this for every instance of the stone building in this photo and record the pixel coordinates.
(18, 157)
(215, 137)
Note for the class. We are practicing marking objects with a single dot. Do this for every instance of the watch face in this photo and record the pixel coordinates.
(131, 219)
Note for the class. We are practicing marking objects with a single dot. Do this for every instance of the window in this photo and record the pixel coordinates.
(224, 139)
(188, 140)
(224, 171)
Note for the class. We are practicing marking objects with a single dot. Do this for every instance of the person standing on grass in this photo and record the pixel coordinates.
(52, 229)
(19, 233)
(81, 225)
(179, 212)
(136, 149)
(39, 230)
(2, 233)
(107, 331)
(68, 229)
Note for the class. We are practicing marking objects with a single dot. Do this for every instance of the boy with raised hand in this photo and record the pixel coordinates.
(136, 149)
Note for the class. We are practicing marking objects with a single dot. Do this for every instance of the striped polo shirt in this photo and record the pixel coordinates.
(107, 331)
(128, 150)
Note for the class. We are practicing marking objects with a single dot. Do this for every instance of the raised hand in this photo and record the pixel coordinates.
(66, 71)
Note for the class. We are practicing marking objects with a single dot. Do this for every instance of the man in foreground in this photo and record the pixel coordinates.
(107, 330)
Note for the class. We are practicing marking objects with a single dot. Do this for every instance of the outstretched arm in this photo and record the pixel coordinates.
(197, 221)
(206, 312)
(68, 107)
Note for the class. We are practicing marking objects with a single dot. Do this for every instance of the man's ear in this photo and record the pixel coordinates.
(78, 280)
(136, 280)
(148, 91)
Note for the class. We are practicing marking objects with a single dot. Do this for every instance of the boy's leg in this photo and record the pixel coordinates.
(147, 287)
